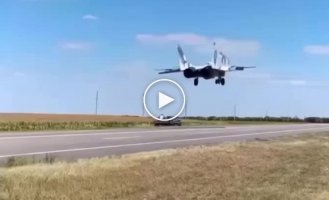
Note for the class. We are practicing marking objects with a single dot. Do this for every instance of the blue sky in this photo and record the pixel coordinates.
(55, 54)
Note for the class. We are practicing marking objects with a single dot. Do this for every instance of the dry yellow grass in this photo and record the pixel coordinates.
(29, 117)
(293, 168)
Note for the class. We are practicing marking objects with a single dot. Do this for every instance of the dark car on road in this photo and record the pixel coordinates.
(173, 122)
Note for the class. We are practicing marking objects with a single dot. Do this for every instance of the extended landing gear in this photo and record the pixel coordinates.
(196, 81)
(220, 81)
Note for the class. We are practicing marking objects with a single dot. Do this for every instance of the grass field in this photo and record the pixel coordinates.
(42, 122)
(288, 168)
(27, 117)
(35, 122)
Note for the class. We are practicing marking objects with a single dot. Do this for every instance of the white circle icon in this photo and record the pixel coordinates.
(163, 99)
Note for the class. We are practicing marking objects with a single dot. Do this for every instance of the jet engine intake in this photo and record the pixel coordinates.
(190, 72)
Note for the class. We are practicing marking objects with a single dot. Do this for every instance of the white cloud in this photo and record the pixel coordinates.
(317, 49)
(252, 75)
(90, 17)
(293, 82)
(233, 47)
(73, 45)
(298, 82)
(203, 44)
(272, 79)
(19, 74)
(183, 38)
(266, 78)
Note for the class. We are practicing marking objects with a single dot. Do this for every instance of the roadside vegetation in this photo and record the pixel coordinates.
(262, 119)
(43, 122)
(284, 168)
(247, 119)
(198, 122)
(93, 125)
(43, 126)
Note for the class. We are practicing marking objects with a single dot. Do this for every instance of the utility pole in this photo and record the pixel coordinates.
(234, 112)
(96, 109)
(185, 110)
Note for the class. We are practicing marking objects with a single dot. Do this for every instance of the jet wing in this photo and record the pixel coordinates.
(167, 71)
(240, 68)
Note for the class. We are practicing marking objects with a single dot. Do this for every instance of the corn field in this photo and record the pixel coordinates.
(40, 126)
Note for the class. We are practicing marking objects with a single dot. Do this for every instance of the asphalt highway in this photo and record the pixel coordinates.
(71, 145)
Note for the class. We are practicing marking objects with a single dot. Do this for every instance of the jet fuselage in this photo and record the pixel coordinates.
(207, 72)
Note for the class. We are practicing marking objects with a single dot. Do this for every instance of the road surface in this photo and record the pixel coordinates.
(71, 145)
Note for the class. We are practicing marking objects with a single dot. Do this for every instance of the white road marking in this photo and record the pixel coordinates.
(93, 134)
(152, 131)
(160, 142)
(119, 138)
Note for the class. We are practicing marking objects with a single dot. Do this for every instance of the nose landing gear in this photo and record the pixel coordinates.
(196, 81)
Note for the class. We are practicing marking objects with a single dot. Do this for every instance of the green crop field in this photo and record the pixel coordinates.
(43, 122)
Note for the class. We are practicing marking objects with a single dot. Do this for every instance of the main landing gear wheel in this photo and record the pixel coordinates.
(196, 81)
(222, 81)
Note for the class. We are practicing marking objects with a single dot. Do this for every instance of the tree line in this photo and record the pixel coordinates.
(267, 118)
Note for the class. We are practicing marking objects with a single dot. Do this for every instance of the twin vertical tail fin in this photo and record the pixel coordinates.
(225, 59)
(215, 56)
(183, 64)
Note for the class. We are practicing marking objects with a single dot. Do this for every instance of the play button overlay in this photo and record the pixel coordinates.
(164, 100)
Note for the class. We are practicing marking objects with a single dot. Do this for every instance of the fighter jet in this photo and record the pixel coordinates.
(211, 70)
